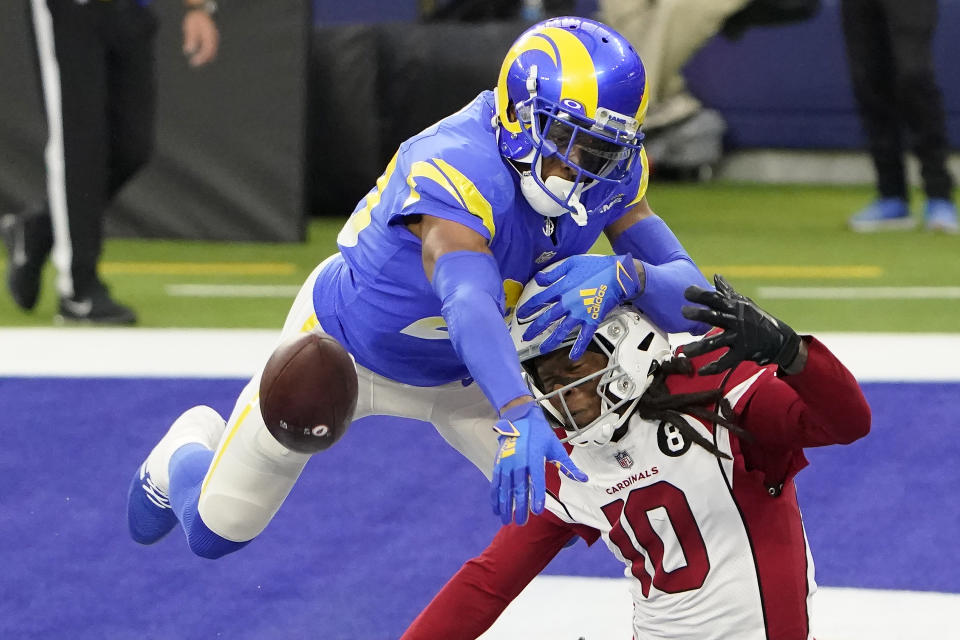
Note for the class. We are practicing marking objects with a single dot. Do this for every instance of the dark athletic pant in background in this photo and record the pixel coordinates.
(96, 66)
(889, 46)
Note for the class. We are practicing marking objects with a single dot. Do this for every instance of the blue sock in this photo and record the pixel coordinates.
(188, 466)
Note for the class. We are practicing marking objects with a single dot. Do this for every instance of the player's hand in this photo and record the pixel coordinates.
(201, 39)
(582, 290)
(519, 478)
(749, 331)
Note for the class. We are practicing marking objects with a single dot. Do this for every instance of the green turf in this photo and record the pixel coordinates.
(721, 225)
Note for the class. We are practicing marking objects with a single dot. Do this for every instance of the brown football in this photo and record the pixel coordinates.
(308, 392)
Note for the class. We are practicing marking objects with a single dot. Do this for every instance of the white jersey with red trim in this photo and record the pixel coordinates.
(705, 540)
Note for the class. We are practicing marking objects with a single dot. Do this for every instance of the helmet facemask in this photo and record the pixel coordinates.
(633, 349)
(600, 151)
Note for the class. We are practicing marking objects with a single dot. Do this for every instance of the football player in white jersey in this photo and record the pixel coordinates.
(691, 460)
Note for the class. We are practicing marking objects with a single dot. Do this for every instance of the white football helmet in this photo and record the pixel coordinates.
(634, 348)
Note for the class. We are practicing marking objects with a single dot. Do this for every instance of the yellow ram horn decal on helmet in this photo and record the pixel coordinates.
(642, 110)
(531, 43)
(577, 73)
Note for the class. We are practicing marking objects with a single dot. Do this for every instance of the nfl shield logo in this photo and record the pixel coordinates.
(624, 459)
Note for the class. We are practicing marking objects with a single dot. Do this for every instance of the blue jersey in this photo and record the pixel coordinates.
(376, 299)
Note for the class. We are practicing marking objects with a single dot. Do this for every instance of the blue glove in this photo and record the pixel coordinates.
(526, 439)
(585, 287)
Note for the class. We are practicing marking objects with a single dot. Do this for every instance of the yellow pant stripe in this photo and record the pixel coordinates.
(233, 432)
(311, 324)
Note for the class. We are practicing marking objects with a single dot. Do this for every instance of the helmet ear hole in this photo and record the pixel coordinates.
(511, 111)
(607, 345)
(645, 343)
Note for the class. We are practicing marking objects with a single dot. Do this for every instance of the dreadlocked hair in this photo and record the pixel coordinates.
(658, 404)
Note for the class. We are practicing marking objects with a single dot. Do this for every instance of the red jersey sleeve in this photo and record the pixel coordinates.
(477, 594)
(821, 405)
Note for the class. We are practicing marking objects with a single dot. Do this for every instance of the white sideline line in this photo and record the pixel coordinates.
(859, 293)
(232, 290)
(603, 609)
(95, 352)
(239, 353)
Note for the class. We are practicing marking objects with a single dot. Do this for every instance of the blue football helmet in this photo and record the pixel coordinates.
(575, 89)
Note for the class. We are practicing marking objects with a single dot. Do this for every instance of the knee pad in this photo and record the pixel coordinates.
(247, 485)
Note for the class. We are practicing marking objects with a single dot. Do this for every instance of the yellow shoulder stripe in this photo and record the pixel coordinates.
(474, 200)
(456, 184)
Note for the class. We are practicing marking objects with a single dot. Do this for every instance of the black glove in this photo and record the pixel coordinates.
(749, 331)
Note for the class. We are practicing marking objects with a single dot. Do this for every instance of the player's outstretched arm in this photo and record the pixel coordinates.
(820, 405)
(667, 267)
(815, 401)
(651, 270)
(525, 439)
(467, 280)
(477, 594)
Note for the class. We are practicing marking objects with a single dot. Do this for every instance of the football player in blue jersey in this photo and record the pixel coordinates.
(431, 264)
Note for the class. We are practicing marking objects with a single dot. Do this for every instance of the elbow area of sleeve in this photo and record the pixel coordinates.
(467, 273)
(668, 271)
(650, 240)
(840, 402)
(471, 293)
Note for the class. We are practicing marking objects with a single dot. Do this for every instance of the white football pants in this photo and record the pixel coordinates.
(251, 473)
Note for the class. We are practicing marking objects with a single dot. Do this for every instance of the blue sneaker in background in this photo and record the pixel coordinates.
(941, 215)
(886, 214)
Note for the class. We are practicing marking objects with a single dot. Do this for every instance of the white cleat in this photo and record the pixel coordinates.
(201, 425)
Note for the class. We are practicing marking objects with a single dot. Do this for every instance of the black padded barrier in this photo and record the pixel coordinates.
(373, 86)
(229, 157)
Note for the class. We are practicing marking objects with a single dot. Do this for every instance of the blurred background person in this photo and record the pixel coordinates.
(668, 33)
(684, 137)
(681, 132)
(97, 71)
(890, 50)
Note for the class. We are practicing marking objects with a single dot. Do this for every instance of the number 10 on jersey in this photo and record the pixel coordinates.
(630, 521)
